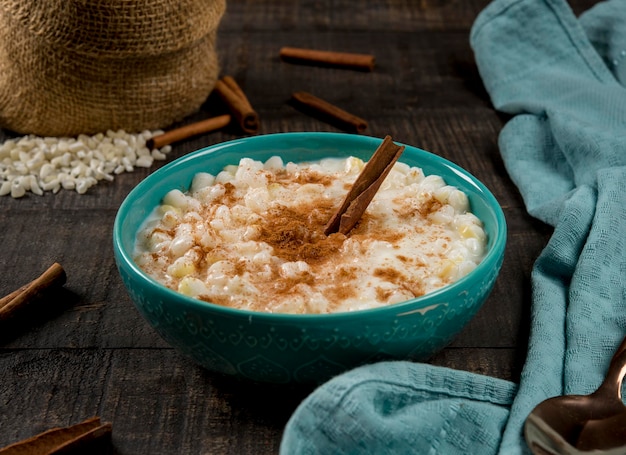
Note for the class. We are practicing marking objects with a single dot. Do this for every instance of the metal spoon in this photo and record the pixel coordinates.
(579, 424)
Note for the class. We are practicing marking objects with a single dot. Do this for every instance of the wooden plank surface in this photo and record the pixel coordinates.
(94, 355)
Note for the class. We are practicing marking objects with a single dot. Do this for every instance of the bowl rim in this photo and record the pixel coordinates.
(420, 304)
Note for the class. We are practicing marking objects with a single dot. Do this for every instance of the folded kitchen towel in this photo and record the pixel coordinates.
(562, 80)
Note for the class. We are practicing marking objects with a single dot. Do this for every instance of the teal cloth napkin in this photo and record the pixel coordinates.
(562, 80)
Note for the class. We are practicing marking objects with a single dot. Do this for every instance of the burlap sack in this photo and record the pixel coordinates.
(85, 66)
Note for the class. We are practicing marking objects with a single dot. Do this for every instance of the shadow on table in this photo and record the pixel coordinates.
(40, 311)
(256, 398)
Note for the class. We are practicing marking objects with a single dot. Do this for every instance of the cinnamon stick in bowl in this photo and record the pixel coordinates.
(364, 187)
(363, 62)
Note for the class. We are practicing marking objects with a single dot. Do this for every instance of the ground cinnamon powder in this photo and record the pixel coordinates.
(296, 235)
(307, 270)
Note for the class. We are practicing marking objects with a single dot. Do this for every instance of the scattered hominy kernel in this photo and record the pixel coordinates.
(17, 188)
(47, 164)
(5, 188)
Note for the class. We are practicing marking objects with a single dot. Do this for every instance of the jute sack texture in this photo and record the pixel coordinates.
(85, 66)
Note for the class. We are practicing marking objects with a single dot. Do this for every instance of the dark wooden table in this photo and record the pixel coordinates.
(95, 355)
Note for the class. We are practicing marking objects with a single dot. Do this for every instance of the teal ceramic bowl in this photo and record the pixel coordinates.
(287, 348)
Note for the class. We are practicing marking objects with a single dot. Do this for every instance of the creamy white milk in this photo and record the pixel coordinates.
(251, 237)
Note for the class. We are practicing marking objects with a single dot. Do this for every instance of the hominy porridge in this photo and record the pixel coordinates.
(251, 237)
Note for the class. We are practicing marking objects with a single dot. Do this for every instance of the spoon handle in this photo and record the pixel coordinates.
(612, 384)
(619, 350)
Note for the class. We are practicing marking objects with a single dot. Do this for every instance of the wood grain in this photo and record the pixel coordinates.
(97, 356)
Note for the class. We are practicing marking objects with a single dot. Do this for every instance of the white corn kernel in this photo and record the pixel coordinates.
(52, 163)
(5, 188)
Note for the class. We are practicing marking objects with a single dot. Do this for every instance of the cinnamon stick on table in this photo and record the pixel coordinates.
(187, 131)
(364, 188)
(75, 439)
(238, 104)
(329, 111)
(350, 60)
(22, 297)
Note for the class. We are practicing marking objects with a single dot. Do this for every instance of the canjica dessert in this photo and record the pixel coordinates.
(252, 237)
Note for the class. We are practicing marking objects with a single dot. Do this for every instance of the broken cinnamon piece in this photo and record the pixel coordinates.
(329, 111)
(328, 58)
(19, 299)
(74, 439)
(364, 188)
(238, 104)
(187, 131)
(7, 298)
(234, 86)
